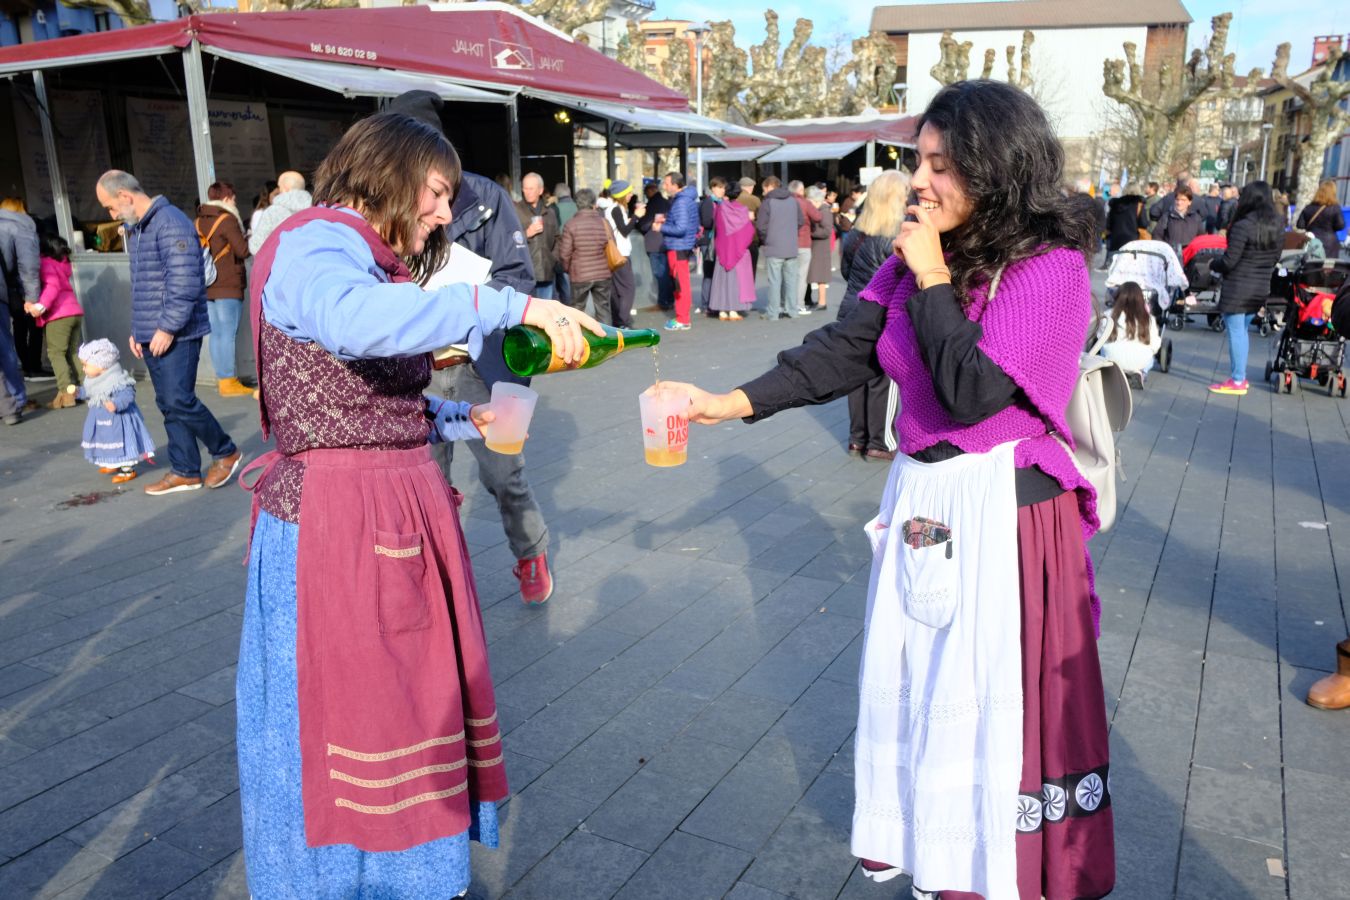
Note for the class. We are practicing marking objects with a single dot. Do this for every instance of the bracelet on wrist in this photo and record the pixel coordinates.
(923, 280)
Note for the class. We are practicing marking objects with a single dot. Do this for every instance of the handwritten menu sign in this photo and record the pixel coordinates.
(161, 150)
(81, 146)
(242, 145)
(308, 141)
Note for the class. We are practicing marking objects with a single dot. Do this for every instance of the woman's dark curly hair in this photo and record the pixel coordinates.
(1010, 164)
(379, 168)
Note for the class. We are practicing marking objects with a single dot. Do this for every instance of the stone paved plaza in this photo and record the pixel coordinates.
(679, 716)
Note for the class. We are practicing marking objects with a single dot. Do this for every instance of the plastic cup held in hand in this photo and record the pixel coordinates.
(512, 406)
(665, 426)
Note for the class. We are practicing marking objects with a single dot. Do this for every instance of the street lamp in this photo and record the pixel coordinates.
(1265, 140)
(698, 30)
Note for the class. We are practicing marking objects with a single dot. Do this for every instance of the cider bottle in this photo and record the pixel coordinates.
(529, 351)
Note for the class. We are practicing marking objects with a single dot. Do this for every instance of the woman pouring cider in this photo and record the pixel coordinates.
(369, 749)
(981, 744)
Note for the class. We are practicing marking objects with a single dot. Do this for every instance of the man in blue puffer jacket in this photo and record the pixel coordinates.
(679, 232)
(168, 322)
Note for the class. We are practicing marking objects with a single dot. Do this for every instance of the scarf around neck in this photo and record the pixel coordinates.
(99, 388)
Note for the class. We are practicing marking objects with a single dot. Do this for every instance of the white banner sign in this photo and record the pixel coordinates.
(161, 150)
(81, 146)
(242, 145)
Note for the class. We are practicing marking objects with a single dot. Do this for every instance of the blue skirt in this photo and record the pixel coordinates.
(280, 863)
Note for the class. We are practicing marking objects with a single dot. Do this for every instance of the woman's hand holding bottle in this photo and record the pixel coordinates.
(563, 325)
(709, 409)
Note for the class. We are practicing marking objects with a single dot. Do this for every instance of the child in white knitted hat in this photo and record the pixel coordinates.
(115, 436)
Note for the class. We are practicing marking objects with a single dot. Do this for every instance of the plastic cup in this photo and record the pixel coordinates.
(512, 406)
(665, 426)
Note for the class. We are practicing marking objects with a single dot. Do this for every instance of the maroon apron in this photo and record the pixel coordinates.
(399, 738)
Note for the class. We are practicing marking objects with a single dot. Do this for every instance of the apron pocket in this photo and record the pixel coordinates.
(930, 580)
(402, 601)
(876, 534)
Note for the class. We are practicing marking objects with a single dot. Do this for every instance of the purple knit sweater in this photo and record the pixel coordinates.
(1034, 330)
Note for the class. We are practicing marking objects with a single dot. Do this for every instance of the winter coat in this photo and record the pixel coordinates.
(680, 230)
(860, 255)
(58, 297)
(658, 205)
(779, 220)
(1124, 217)
(1179, 230)
(168, 292)
(1246, 270)
(20, 266)
(1323, 222)
(228, 248)
(543, 244)
(813, 215)
(483, 220)
(283, 206)
(581, 249)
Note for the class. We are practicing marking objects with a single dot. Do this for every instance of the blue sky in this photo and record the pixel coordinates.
(1258, 25)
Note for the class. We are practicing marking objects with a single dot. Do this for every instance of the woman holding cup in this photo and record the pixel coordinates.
(369, 752)
(981, 748)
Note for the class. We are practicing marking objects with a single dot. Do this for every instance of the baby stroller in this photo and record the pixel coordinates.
(1205, 284)
(1154, 267)
(1308, 346)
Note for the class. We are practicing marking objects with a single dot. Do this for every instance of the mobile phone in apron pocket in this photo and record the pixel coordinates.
(930, 579)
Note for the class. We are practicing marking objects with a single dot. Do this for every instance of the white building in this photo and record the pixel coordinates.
(604, 35)
(1072, 40)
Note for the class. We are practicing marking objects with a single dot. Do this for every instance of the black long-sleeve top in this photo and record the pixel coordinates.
(833, 360)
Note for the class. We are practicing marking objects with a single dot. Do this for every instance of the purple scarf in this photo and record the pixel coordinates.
(733, 233)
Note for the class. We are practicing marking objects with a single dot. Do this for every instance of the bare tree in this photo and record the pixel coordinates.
(953, 63)
(1327, 118)
(565, 15)
(1160, 108)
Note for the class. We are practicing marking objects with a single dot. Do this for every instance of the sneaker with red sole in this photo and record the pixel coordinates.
(536, 583)
(1237, 388)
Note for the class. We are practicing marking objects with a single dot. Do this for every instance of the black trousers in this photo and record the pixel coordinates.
(28, 338)
(871, 414)
(625, 289)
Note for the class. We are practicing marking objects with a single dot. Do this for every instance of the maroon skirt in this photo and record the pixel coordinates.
(1065, 839)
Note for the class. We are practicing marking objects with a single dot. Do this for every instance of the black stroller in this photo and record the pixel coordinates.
(1205, 283)
(1308, 346)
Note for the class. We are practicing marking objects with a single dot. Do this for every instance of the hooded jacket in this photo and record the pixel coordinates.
(779, 220)
(20, 260)
(1125, 215)
(168, 292)
(283, 206)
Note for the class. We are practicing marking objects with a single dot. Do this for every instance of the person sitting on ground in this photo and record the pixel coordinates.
(1133, 337)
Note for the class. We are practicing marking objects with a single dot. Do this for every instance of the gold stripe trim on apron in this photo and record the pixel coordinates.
(484, 763)
(396, 779)
(479, 723)
(381, 550)
(400, 805)
(335, 750)
(485, 742)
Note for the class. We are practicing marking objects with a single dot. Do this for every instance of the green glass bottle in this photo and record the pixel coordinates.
(529, 351)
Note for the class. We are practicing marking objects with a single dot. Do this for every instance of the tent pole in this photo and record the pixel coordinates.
(60, 202)
(513, 142)
(199, 120)
(611, 169)
(871, 154)
(684, 153)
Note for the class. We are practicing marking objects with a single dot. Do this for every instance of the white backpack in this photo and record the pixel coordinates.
(1101, 405)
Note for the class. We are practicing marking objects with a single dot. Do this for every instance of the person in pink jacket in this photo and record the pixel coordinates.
(59, 314)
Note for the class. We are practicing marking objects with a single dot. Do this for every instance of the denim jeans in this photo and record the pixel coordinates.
(186, 419)
(224, 316)
(9, 362)
(782, 285)
(502, 474)
(665, 287)
(1239, 340)
(543, 290)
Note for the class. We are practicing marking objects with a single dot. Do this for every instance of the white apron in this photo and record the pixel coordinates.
(939, 741)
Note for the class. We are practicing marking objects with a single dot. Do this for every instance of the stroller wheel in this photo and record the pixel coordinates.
(1265, 330)
(1216, 323)
(1165, 355)
(1341, 379)
(1176, 321)
(1269, 369)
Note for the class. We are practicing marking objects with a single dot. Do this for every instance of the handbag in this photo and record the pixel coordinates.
(614, 258)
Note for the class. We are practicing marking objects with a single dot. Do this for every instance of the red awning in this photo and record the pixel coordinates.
(475, 44)
(895, 130)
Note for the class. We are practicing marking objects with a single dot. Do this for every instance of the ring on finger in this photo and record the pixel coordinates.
(562, 321)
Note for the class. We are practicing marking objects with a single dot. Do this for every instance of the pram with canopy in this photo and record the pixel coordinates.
(1153, 265)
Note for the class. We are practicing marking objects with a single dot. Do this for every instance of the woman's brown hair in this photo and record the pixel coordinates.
(1132, 306)
(379, 168)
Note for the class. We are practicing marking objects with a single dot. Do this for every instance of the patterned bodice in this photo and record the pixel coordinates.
(314, 400)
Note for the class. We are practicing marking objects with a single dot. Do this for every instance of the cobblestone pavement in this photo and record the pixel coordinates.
(679, 716)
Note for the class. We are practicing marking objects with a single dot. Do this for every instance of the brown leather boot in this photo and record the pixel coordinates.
(1333, 692)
